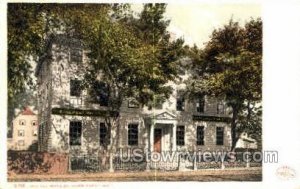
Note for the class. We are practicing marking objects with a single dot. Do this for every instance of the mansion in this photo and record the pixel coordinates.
(69, 121)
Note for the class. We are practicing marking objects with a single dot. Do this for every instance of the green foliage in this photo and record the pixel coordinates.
(24, 26)
(28, 25)
(230, 66)
(151, 24)
(135, 55)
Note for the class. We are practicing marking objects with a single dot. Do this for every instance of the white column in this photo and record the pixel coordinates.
(151, 144)
(174, 138)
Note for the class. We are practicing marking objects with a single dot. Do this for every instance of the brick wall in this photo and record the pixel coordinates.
(36, 162)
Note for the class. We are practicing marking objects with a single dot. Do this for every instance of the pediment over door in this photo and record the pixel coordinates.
(164, 116)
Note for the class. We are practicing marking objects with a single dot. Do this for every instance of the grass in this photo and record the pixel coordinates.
(237, 174)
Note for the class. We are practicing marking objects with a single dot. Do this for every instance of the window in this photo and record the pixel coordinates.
(200, 135)
(220, 109)
(34, 133)
(76, 55)
(200, 104)
(180, 104)
(103, 133)
(21, 143)
(22, 122)
(21, 133)
(100, 93)
(158, 103)
(75, 88)
(133, 134)
(33, 123)
(75, 133)
(220, 135)
(180, 135)
(132, 103)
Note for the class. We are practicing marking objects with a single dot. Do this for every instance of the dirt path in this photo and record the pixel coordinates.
(251, 174)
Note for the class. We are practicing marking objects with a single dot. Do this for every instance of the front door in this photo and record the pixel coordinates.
(157, 140)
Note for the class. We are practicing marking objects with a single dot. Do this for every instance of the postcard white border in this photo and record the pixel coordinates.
(281, 97)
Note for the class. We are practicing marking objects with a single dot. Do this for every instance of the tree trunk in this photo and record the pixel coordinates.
(233, 128)
(249, 110)
(113, 136)
(10, 117)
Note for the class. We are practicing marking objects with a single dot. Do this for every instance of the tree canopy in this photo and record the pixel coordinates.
(137, 57)
(230, 66)
(134, 55)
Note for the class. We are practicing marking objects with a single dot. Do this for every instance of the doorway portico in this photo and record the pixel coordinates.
(162, 132)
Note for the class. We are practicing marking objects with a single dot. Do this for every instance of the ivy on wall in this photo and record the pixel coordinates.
(211, 118)
(80, 112)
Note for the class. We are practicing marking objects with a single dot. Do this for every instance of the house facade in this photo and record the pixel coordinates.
(25, 131)
(69, 122)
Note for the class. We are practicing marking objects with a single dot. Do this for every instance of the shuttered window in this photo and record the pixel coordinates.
(133, 134)
(75, 133)
(220, 135)
(200, 135)
(75, 88)
(180, 132)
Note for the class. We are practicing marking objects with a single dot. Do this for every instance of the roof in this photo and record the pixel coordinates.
(27, 111)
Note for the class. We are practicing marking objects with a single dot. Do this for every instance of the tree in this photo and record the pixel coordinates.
(151, 27)
(29, 24)
(25, 30)
(131, 63)
(230, 66)
(134, 56)
(134, 61)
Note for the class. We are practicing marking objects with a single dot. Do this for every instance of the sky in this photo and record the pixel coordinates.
(195, 22)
